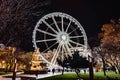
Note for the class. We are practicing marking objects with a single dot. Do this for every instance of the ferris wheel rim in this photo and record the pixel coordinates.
(66, 16)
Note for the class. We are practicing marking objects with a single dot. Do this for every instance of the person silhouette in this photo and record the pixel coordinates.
(53, 70)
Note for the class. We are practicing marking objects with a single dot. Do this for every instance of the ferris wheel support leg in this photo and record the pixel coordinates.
(55, 60)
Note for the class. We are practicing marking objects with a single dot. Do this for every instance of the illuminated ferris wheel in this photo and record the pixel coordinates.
(61, 32)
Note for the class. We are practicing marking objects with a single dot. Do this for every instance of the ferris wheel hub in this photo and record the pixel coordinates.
(64, 37)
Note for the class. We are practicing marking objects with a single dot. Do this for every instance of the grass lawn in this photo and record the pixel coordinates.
(97, 76)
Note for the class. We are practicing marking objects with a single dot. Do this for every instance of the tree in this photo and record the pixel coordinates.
(64, 63)
(110, 41)
(102, 55)
(25, 59)
(75, 62)
(9, 54)
(17, 20)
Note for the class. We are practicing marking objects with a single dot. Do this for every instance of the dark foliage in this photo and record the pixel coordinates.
(78, 61)
(74, 62)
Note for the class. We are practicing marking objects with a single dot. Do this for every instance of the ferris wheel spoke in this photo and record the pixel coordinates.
(62, 53)
(46, 32)
(68, 26)
(50, 47)
(76, 36)
(57, 55)
(69, 52)
(44, 59)
(72, 31)
(46, 40)
(56, 52)
(65, 50)
(70, 45)
(77, 43)
(55, 23)
(50, 26)
(62, 23)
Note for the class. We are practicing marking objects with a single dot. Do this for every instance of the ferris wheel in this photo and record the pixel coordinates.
(61, 32)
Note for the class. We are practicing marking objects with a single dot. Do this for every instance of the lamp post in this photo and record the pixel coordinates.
(14, 70)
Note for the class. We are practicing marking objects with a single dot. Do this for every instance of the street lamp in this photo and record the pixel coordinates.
(15, 69)
(3, 64)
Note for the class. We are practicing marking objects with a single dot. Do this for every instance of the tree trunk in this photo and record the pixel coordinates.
(7, 65)
(117, 66)
(77, 72)
(10, 68)
(91, 73)
(117, 70)
(104, 67)
(63, 71)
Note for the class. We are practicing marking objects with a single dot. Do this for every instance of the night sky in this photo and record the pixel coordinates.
(92, 14)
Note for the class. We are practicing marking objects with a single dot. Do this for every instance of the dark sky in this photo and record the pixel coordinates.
(92, 14)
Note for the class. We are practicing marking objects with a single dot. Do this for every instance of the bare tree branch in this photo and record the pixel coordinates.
(18, 18)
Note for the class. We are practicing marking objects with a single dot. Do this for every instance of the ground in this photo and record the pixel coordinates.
(97, 76)
(68, 76)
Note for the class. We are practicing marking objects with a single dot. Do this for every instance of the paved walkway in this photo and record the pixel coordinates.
(40, 76)
(2, 77)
